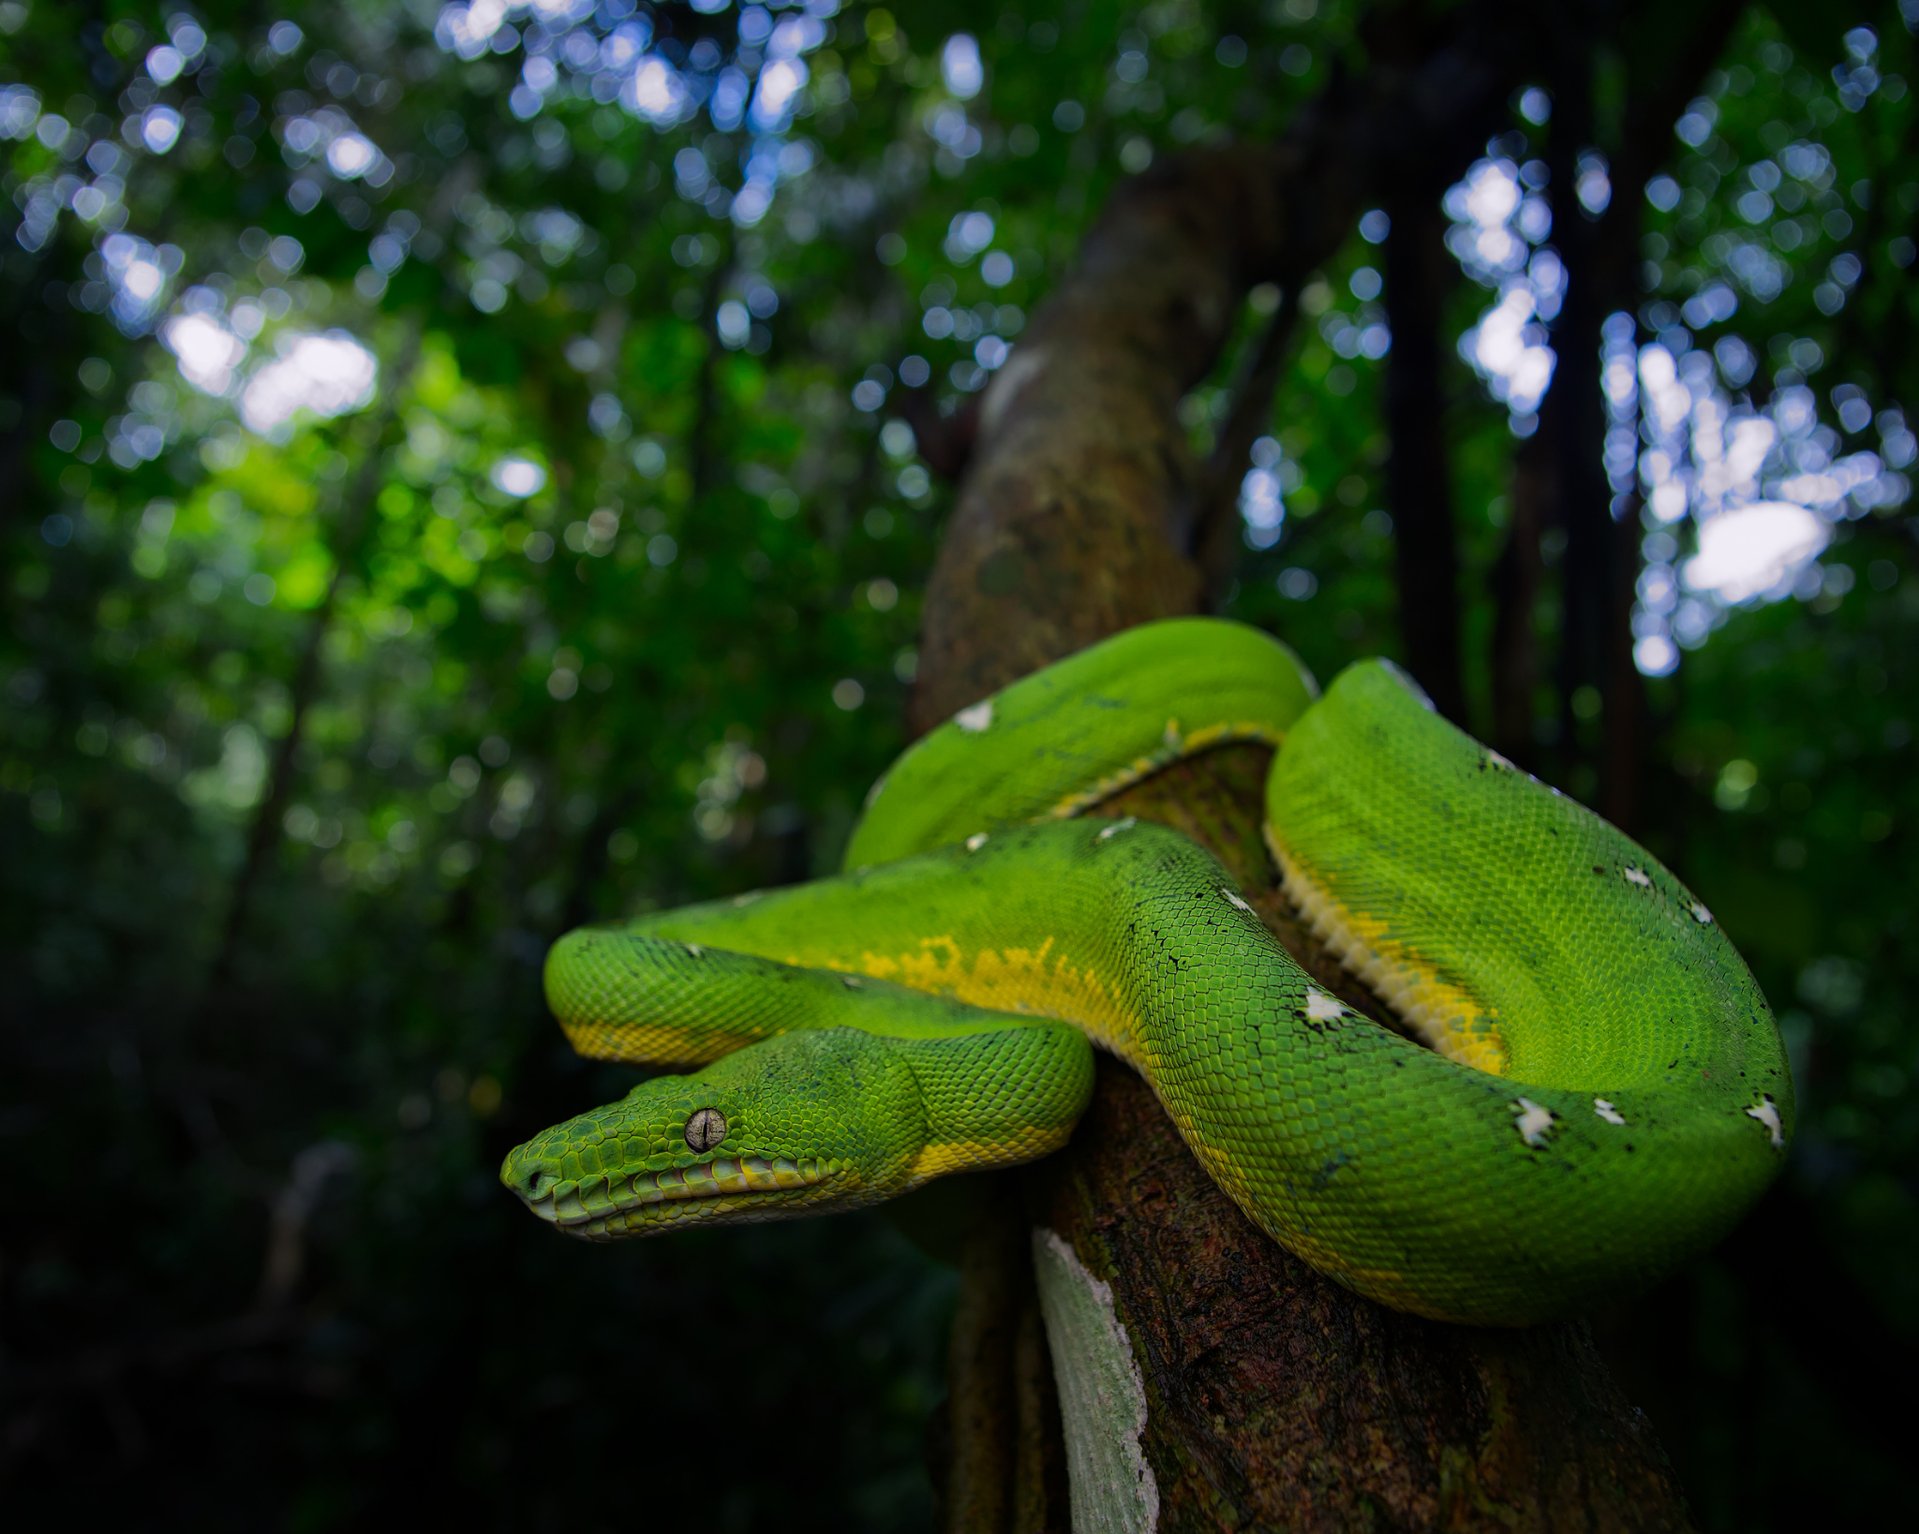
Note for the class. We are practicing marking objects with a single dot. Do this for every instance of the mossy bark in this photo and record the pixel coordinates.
(1275, 1398)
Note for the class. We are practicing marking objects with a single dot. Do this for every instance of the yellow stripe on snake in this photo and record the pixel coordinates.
(1588, 1087)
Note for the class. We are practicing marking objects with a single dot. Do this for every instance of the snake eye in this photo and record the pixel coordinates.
(705, 1129)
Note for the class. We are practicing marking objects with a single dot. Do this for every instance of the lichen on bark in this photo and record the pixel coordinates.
(1102, 1394)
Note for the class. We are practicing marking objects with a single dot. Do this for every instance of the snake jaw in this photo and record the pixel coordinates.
(601, 1208)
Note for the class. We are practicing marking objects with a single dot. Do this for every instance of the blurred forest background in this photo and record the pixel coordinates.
(458, 476)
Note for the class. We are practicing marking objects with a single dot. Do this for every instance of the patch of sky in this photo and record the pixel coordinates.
(1764, 488)
(1263, 491)
(326, 373)
(1499, 223)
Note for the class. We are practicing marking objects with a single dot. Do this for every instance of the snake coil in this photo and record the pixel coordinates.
(1585, 1084)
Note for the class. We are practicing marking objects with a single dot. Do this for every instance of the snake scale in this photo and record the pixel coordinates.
(1582, 1087)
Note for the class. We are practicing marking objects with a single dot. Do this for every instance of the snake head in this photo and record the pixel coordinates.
(800, 1124)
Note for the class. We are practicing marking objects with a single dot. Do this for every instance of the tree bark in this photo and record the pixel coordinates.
(1272, 1396)
(1419, 273)
(1078, 512)
(1559, 477)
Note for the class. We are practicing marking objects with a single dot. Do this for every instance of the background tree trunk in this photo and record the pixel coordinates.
(1273, 1397)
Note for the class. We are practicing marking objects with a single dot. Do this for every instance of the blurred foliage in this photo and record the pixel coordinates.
(446, 451)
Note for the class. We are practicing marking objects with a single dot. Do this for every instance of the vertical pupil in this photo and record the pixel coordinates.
(705, 1129)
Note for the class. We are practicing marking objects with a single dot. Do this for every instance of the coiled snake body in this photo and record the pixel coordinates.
(1589, 1085)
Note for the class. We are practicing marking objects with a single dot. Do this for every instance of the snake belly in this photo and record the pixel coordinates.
(1583, 1086)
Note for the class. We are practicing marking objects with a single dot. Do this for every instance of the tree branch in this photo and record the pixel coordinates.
(1216, 520)
(1419, 273)
(1274, 1397)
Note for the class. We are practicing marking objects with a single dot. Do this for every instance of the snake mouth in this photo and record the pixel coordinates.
(606, 1208)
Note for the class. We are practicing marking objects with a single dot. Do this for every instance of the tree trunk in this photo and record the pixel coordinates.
(1419, 273)
(1241, 1388)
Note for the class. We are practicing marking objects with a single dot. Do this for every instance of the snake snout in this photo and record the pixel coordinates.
(532, 1177)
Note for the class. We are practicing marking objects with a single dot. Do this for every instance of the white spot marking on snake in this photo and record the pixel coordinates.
(978, 717)
(1116, 827)
(874, 792)
(1497, 760)
(1701, 915)
(1172, 733)
(1638, 876)
(1607, 1111)
(1322, 1008)
(851, 982)
(748, 898)
(1534, 1123)
(1233, 899)
(976, 841)
(1768, 1114)
(694, 951)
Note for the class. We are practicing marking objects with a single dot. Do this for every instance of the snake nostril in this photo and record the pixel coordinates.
(531, 1183)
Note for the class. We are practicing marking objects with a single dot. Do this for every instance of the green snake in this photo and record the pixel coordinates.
(1582, 1086)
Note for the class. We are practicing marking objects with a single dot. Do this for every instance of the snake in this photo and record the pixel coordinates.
(1574, 1082)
